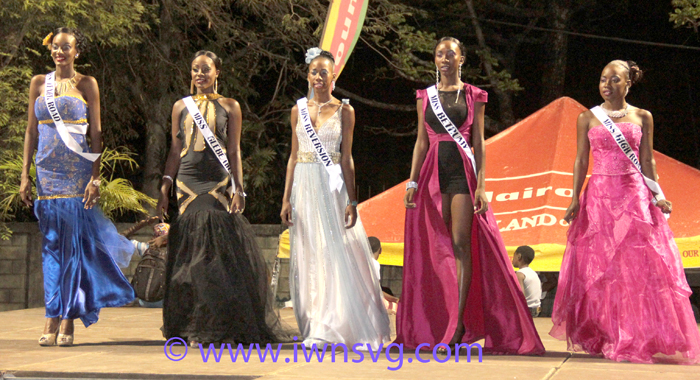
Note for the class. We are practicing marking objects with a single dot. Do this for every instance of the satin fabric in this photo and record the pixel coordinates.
(622, 290)
(496, 309)
(81, 249)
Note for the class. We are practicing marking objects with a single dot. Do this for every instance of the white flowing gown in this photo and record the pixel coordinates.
(335, 290)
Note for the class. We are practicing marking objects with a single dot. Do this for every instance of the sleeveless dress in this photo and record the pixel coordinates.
(81, 250)
(216, 279)
(495, 309)
(334, 288)
(622, 291)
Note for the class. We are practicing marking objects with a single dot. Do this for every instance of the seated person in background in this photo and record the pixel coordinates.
(528, 279)
(389, 300)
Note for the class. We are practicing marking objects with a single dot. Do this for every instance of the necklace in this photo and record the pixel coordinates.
(617, 114)
(65, 85)
(211, 96)
(321, 105)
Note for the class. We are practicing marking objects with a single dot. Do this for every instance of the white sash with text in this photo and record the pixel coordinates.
(435, 104)
(627, 150)
(61, 128)
(209, 137)
(335, 173)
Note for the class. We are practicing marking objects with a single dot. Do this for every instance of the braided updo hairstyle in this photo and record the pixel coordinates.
(325, 54)
(634, 73)
(80, 40)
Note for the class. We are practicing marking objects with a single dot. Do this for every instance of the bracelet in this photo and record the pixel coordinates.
(241, 193)
(96, 183)
(168, 178)
(411, 185)
(353, 203)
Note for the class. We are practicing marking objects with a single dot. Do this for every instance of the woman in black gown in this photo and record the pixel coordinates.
(216, 279)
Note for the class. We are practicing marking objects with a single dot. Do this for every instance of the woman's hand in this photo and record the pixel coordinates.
(286, 213)
(237, 204)
(665, 206)
(25, 192)
(408, 198)
(92, 194)
(481, 205)
(163, 202)
(572, 211)
(350, 216)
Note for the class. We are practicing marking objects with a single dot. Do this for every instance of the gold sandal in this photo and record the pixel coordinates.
(48, 339)
(64, 340)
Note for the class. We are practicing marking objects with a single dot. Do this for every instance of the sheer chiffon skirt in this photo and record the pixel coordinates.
(622, 290)
(335, 291)
(217, 283)
(81, 255)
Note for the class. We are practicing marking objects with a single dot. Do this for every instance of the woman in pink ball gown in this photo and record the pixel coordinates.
(622, 291)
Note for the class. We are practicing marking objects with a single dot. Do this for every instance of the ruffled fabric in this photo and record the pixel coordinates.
(622, 291)
(80, 253)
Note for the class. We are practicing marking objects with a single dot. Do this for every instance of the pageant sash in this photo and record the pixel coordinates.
(335, 173)
(627, 150)
(209, 138)
(61, 128)
(434, 100)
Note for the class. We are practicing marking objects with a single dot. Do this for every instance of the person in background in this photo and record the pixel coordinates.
(528, 279)
(390, 302)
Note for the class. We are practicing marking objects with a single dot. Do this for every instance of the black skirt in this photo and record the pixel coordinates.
(453, 179)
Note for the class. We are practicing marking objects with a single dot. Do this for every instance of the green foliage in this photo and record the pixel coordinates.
(117, 195)
(686, 13)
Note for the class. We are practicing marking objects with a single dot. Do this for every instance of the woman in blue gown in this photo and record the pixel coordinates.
(81, 249)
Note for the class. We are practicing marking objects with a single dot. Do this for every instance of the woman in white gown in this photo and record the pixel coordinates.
(334, 289)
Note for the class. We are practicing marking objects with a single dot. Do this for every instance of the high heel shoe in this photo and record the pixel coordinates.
(48, 339)
(64, 340)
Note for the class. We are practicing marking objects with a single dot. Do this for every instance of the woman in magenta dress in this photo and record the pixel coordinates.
(458, 286)
(622, 291)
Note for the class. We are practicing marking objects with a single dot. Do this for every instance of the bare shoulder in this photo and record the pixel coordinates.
(348, 110)
(295, 109)
(38, 80)
(179, 106)
(87, 83)
(643, 114)
(230, 104)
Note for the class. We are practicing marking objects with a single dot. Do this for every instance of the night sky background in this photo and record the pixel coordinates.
(669, 89)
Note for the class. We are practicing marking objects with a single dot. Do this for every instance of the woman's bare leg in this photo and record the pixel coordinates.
(459, 221)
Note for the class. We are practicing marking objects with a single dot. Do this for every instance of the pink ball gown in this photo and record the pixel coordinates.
(622, 291)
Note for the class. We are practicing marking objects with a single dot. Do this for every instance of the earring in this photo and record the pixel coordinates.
(460, 71)
(333, 85)
(460, 77)
(77, 55)
(216, 86)
(192, 87)
(437, 76)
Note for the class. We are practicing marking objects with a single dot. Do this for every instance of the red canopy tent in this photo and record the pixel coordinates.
(528, 182)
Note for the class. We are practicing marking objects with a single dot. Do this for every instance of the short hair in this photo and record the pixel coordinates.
(80, 40)
(214, 57)
(526, 253)
(374, 243)
(459, 44)
(325, 54)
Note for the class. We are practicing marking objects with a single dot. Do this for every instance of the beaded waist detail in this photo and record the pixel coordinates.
(313, 157)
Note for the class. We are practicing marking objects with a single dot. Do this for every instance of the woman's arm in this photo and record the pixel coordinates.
(89, 88)
(481, 204)
(347, 164)
(419, 152)
(580, 164)
(31, 137)
(173, 162)
(233, 151)
(646, 154)
(286, 213)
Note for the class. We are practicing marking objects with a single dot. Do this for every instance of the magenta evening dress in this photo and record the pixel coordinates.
(427, 313)
(622, 291)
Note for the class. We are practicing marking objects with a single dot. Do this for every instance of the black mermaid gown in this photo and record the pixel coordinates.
(216, 279)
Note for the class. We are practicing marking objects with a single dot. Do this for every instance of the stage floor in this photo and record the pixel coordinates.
(127, 344)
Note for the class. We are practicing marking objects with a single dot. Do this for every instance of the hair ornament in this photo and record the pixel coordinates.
(312, 53)
(47, 39)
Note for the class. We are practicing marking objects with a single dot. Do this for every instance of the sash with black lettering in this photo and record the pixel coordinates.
(209, 137)
(627, 150)
(61, 127)
(435, 104)
(335, 173)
